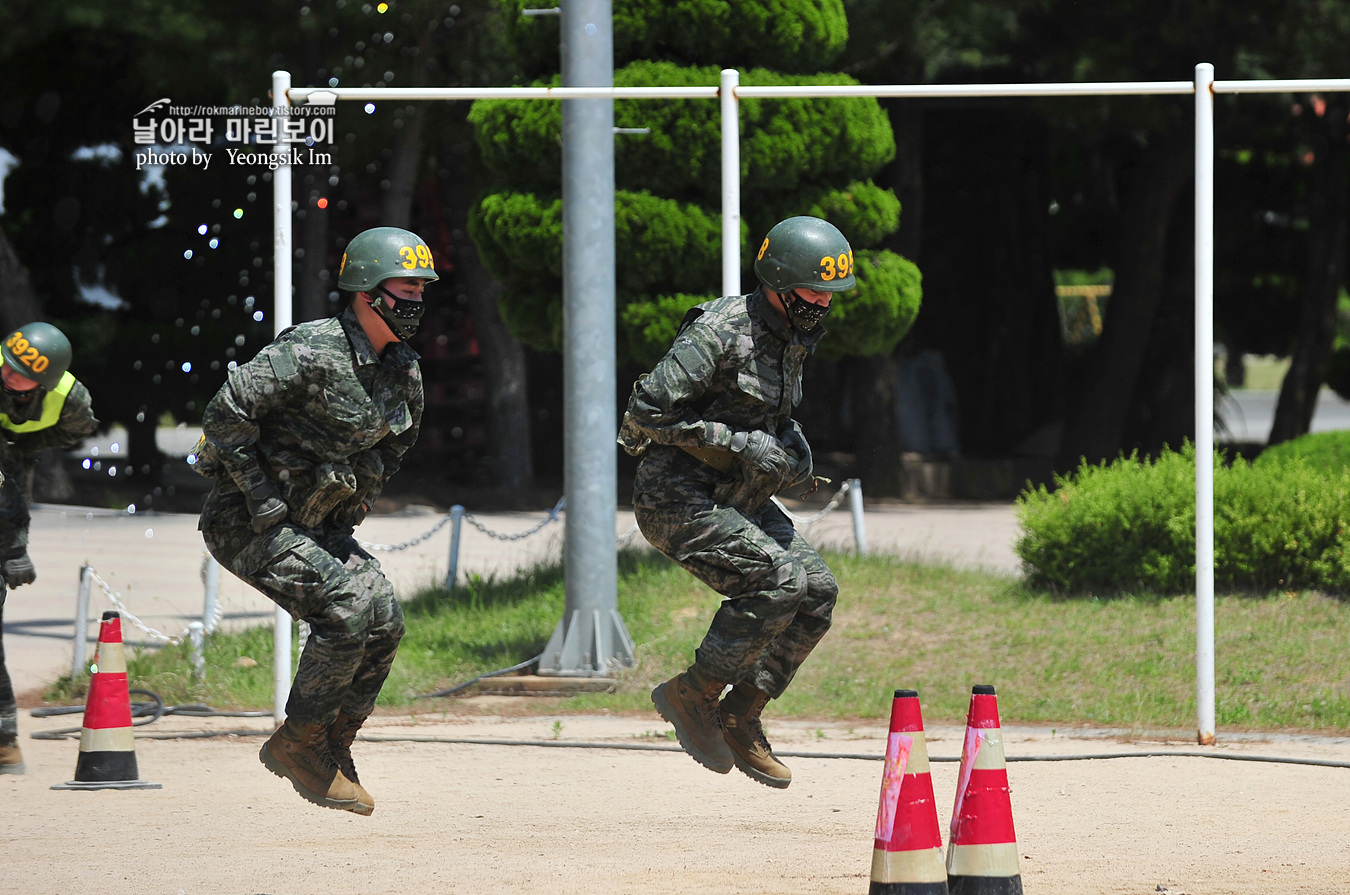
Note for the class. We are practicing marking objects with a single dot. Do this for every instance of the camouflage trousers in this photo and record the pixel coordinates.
(779, 592)
(322, 576)
(9, 712)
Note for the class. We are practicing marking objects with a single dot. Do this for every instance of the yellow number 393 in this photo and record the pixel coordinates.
(836, 267)
(416, 257)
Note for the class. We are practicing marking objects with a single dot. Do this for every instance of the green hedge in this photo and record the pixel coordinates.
(1129, 526)
(1320, 450)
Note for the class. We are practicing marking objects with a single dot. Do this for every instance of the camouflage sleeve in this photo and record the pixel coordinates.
(230, 422)
(664, 405)
(76, 423)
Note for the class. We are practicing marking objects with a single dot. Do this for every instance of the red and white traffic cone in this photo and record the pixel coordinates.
(982, 851)
(107, 747)
(907, 851)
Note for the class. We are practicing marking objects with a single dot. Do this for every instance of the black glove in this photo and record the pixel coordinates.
(795, 443)
(261, 495)
(19, 570)
(762, 450)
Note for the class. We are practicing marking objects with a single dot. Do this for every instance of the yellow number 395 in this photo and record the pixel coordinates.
(836, 267)
(419, 257)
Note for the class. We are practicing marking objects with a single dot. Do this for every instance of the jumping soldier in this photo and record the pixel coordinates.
(712, 424)
(42, 406)
(300, 441)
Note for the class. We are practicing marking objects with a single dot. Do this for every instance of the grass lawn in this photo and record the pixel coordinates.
(1127, 662)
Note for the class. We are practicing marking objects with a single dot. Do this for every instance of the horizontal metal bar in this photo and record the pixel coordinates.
(1100, 88)
(329, 95)
(1297, 85)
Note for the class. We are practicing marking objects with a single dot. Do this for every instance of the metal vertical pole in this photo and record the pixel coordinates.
(1204, 402)
(211, 601)
(855, 505)
(591, 635)
(78, 664)
(281, 318)
(456, 524)
(731, 182)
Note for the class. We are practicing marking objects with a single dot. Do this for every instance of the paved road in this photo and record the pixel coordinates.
(1249, 413)
(155, 564)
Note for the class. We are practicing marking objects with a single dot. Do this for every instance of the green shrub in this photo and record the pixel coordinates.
(1130, 526)
(1329, 451)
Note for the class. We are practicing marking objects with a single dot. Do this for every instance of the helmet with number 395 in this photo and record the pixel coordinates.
(38, 351)
(805, 253)
(382, 253)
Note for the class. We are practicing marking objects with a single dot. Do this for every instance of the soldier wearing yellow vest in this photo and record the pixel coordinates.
(42, 407)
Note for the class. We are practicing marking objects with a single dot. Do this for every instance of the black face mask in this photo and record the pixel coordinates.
(403, 317)
(20, 397)
(801, 313)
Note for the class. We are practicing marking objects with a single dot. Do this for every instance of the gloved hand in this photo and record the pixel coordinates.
(795, 443)
(19, 570)
(261, 495)
(762, 450)
(265, 506)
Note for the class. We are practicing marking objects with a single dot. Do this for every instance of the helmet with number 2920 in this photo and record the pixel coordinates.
(38, 351)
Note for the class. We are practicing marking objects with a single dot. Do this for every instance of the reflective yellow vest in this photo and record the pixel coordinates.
(52, 403)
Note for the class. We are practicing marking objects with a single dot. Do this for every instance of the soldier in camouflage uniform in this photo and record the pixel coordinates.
(712, 424)
(301, 440)
(42, 407)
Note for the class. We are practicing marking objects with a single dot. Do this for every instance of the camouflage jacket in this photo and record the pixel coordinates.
(736, 366)
(316, 400)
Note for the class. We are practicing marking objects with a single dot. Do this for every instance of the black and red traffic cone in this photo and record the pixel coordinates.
(107, 747)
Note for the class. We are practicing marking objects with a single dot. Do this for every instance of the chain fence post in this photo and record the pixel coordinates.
(855, 505)
(456, 523)
(77, 664)
(197, 640)
(211, 601)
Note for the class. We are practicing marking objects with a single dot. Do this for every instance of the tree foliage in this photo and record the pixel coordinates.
(798, 156)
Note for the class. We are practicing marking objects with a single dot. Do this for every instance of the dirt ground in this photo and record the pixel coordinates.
(600, 804)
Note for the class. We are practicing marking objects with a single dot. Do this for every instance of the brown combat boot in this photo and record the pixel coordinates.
(11, 758)
(693, 712)
(299, 753)
(341, 734)
(750, 749)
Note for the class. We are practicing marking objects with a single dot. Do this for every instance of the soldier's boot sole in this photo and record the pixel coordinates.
(719, 761)
(744, 765)
(282, 770)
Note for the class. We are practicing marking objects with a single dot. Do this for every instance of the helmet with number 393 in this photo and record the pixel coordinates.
(382, 253)
(805, 253)
(38, 351)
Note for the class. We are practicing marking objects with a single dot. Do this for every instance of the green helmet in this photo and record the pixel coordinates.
(39, 351)
(805, 253)
(376, 255)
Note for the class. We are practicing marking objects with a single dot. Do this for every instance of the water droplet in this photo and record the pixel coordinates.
(149, 532)
(383, 8)
(87, 463)
(187, 366)
(214, 243)
(131, 509)
(140, 417)
(93, 669)
(239, 340)
(332, 82)
(112, 470)
(116, 447)
(93, 452)
(202, 229)
(238, 213)
(258, 316)
(370, 108)
(591, 29)
(188, 254)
